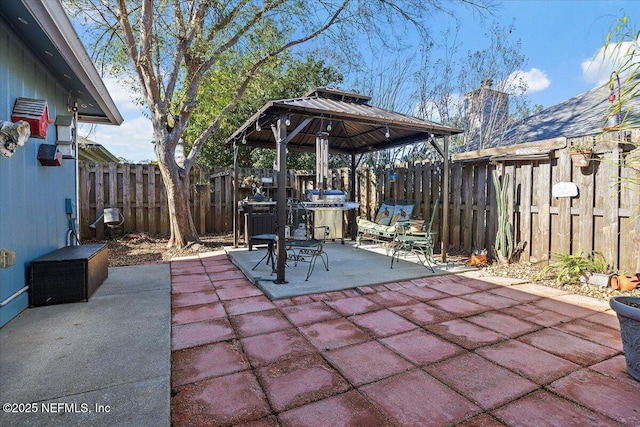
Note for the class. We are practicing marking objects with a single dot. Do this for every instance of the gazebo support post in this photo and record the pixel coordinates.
(351, 213)
(281, 194)
(445, 200)
(235, 195)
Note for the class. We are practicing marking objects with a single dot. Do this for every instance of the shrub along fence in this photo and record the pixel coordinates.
(602, 216)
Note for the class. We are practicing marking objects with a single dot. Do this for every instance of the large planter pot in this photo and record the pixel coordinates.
(629, 318)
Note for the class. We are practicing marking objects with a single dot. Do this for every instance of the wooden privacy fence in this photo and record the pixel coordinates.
(603, 216)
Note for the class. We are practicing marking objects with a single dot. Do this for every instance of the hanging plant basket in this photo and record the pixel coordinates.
(581, 158)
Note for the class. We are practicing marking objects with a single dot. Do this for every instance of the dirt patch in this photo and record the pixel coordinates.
(141, 248)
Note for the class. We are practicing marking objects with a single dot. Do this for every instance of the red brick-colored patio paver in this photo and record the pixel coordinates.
(593, 332)
(488, 299)
(568, 346)
(548, 318)
(466, 334)
(613, 397)
(186, 268)
(450, 287)
(480, 380)
(366, 362)
(194, 298)
(390, 298)
(300, 381)
(523, 297)
(276, 347)
(615, 367)
(416, 399)
(196, 313)
(420, 347)
(198, 333)
(226, 294)
(502, 323)
(542, 408)
(197, 286)
(248, 305)
(220, 401)
(333, 334)
(353, 305)
(382, 323)
(422, 314)
(459, 306)
(531, 362)
(423, 293)
(402, 354)
(226, 275)
(571, 310)
(232, 283)
(259, 322)
(185, 278)
(206, 361)
(482, 420)
(313, 312)
(607, 318)
(348, 409)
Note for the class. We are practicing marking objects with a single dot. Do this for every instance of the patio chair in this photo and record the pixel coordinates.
(392, 215)
(305, 247)
(417, 239)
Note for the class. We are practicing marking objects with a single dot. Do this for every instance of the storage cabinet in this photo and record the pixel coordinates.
(69, 274)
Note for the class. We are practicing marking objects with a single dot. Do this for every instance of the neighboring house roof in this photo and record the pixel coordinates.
(47, 30)
(94, 152)
(583, 115)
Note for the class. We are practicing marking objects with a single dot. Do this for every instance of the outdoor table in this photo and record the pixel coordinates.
(418, 243)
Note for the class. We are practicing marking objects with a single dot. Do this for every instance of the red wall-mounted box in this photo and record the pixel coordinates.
(33, 111)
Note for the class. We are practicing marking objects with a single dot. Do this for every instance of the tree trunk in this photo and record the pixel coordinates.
(176, 184)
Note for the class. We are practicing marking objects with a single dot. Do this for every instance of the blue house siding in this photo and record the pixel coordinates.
(33, 220)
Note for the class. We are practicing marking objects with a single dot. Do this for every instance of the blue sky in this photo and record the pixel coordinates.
(560, 39)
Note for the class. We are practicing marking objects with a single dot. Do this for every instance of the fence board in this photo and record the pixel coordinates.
(598, 214)
(526, 200)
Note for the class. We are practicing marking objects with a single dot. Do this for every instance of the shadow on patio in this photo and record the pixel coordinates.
(442, 350)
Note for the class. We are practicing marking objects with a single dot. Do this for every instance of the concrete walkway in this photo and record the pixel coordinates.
(105, 362)
(450, 350)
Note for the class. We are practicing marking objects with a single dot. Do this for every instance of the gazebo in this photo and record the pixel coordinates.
(345, 123)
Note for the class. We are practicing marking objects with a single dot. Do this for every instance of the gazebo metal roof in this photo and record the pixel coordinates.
(353, 125)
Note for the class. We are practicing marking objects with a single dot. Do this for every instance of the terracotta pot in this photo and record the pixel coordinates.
(624, 283)
(581, 157)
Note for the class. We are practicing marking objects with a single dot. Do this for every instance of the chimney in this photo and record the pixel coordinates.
(486, 113)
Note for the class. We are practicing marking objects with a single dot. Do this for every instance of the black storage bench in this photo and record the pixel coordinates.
(69, 274)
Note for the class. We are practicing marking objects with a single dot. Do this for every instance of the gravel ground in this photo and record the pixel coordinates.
(140, 248)
(530, 272)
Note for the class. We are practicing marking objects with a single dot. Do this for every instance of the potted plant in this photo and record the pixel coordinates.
(600, 271)
(574, 268)
(581, 152)
(628, 311)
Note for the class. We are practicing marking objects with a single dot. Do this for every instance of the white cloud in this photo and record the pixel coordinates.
(598, 68)
(526, 82)
(132, 139)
